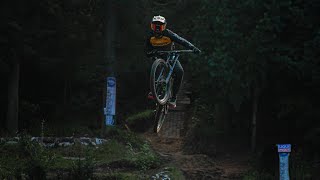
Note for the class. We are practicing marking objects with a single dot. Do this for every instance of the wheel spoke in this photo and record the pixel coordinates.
(158, 81)
(161, 118)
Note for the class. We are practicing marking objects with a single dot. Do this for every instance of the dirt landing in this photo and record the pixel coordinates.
(170, 141)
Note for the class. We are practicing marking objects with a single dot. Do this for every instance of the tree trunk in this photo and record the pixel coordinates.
(13, 97)
(65, 94)
(110, 31)
(102, 122)
(219, 118)
(223, 117)
(254, 119)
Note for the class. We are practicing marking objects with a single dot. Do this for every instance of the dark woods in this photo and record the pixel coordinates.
(55, 41)
(258, 75)
(260, 70)
(54, 62)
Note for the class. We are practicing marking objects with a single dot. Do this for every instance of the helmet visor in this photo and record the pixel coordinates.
(158, 27)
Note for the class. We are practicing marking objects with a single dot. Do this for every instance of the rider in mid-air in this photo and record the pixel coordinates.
(161, 38)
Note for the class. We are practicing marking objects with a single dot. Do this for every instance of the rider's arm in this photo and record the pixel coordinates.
(176, 38)
(148, 47)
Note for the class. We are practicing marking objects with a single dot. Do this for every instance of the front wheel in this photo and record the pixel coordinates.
(160, 115)
(158, 85)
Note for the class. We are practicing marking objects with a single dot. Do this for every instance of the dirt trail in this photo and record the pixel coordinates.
(169, 144)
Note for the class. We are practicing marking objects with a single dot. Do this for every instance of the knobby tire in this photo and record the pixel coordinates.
(157, 65)
(159, 117)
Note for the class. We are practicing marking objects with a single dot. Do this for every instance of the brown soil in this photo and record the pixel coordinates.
(170, 144)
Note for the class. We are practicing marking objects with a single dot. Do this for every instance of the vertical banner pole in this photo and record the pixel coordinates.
(284, 152)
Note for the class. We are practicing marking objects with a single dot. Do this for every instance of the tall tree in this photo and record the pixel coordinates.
(248, 46)
(110, 36)
(13, 95)
(15, 57)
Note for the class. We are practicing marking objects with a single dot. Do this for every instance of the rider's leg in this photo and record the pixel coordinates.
(178, 71)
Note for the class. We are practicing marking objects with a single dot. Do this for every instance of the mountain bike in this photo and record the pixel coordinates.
(161, 81)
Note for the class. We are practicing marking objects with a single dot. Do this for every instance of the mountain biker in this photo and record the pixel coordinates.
(161, 38)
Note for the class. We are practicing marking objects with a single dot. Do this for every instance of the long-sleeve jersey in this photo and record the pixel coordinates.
(164, 41)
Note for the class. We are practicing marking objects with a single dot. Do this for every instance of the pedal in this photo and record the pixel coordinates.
(172, 106)
(150, 97)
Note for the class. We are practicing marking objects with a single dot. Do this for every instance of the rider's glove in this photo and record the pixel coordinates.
(196, 50)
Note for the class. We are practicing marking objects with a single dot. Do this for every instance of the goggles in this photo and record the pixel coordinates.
(158, 27)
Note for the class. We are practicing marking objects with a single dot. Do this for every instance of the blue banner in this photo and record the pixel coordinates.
(284, 152)
(110, 109)
(109, 120)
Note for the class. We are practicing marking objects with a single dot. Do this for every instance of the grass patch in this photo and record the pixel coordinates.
(175, 173)
(122, 176)
(123, 155)
(144, 158)
(141, 121)
(25, 159)
(299, 168)
(111, 151)
(141, 115)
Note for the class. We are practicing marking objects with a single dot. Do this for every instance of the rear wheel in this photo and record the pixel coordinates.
(159, 87)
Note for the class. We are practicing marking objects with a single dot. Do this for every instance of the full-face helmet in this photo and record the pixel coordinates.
(158, 24)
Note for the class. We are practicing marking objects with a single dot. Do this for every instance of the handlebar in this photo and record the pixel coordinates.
(176, 51)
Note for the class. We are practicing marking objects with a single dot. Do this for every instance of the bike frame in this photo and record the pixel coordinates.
(173, 56)
(171, 61)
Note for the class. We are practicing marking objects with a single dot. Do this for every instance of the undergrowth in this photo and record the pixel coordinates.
(299, 168)
(123, 154)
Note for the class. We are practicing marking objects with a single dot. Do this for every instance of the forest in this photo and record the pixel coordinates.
(255, 82)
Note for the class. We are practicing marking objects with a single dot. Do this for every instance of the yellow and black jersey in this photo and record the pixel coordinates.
(160, 41)
(164, 41)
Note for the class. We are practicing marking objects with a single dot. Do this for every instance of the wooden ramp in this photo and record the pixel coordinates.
(174, 124)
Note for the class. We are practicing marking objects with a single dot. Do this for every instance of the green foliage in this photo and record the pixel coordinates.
(129, 147)
(122, 176)
(8, 164)
(25, 159)
(125, 156)
(141, 121)
(83, 169)
(175, 173)
(111, 151)
(245, 43)
(145, 158)
(255, 175)
(268, 46)
(299, 167)
(123, 136)
(38, 160)
(64, 64)
(141, 115)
